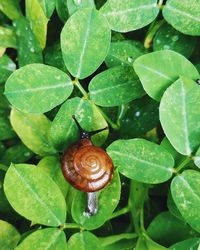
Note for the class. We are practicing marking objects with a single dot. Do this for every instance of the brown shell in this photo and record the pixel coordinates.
(87, 167)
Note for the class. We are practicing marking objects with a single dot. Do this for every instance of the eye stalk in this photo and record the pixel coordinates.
(85, 134)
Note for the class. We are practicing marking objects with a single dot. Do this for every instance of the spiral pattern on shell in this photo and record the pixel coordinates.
(87, 167)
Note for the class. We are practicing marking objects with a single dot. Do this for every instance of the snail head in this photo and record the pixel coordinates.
(85, 134)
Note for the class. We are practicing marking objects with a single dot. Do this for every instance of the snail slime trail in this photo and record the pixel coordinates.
(87, 167)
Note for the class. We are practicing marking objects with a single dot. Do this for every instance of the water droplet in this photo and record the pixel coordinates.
(167, 35)
(111, 60)
(26, 154)
(1, 32)
(130, 59)
(77, 2)
(58, 77)
(166, 46)
(32, 49)
(137, 114)
(122, 63)
(175, 38)
(158, 41)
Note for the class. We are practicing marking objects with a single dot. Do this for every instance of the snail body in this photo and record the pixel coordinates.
(87, 167)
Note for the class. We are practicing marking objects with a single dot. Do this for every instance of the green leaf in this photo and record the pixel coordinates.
(9, 236)
(62, 11)
(115, 86)
(191, 244)
(38, 20)
(74, 5)
(27, 44)
(34, 195)
(187, 197)
(124, 53)
(37, 88)
(138, 159)
(173, 208)
(33, 130)
(6, 131)
(167, 38)
(11, 9)
(48, 6)
(7, 66)
(92, 35)
(125, 16)
(49, 238)
(7, 38)
(84, 241)
(180, 115)
(167, 229)
(158, 70)
(108, 199)
(16, 154)
(139, 117)
(51, 165)
(64, 130)
(182, 17)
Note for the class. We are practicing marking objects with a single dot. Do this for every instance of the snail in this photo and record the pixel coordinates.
(87, 167)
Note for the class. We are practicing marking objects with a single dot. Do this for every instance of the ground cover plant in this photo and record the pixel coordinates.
(131, 66)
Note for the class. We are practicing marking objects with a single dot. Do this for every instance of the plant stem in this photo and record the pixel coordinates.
(183, 164)
(114, 238)
(151, 33)
(120, 212)
(142, 220)
(70, 226)
(86, 96)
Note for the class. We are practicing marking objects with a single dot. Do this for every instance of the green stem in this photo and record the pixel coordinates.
(105, 241)
(86, 96)
(151, 33)
(121, 112)
(71, 226)
(142, 220)
(120, 212)
(183, 164)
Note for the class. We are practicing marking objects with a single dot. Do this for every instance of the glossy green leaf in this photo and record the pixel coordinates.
(62, 10)
(124, 53)
(37, 88)
(139, 117)
(64, 130)
(74, 5)
(33, 130)
(7, 66)
(84, 241)
(191, 244)
(180, 115)
(146, 243)
(34, 195)
(182, 17)
(48, 6)
(108, 199)
(7, 38)
(125, 16)
(6, 131)
(16, 154)
(92, 35)
(9, 236)
(167, 38)
(158, 70)
(38, 20)
(138, 160)
(10, 8)
(187, 197)
(115, 86)
(49, 238)
(167, 229)
(29, 50)
(51, 165)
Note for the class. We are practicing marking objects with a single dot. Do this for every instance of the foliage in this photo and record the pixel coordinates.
(129, 65)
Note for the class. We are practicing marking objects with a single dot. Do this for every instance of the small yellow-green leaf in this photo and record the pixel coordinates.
(87, 46)
(11, 9)
(9, 236)
(49, 238)
(37, 88)
(34, 195)
(7, 37)
(138, 160)
(33, 130)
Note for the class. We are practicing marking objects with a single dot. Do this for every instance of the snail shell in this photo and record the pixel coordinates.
(87, 167)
